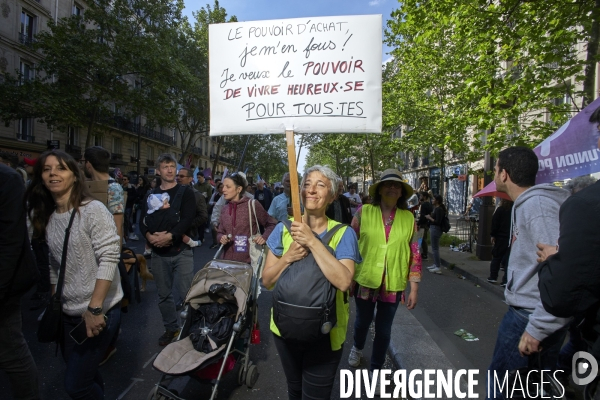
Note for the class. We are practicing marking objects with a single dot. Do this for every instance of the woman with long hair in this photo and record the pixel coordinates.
(436, 220)
(389, 246)
(310, 367)
(91, 292)
(235, 221)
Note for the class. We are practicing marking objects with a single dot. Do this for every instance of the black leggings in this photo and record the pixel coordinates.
(309, 368)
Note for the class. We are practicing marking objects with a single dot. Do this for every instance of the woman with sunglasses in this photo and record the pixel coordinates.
(391, 260)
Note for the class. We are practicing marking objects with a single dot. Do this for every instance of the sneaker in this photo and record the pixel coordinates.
(133, 236)
(207, 230)
(435, 270)
(147, 252)
(109, 352)
(167, 337)
(491, 280)
(354, 357)
(194, 243)
(39, 300)
(213, 246)
(432, 267)
(503, 284)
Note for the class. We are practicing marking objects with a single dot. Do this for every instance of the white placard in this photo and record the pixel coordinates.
(309, 75)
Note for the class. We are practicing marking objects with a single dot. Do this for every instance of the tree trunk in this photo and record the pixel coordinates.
(592, 52)
(214, 167)
(90, 129)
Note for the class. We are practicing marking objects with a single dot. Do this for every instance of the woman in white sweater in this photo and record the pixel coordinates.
(92, 287)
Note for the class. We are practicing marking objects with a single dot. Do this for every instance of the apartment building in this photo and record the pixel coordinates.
(20, 21)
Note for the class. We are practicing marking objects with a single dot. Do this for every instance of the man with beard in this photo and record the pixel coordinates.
(95, 164)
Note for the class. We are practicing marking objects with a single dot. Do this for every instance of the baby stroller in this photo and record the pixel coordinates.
(206, 351)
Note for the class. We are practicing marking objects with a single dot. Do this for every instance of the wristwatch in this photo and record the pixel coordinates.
(95, 311)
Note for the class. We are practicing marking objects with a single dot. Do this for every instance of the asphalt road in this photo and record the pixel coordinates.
(128, 375)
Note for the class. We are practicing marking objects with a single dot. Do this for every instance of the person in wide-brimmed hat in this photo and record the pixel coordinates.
(388, 243)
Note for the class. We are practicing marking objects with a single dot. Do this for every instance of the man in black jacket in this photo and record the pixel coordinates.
(569, 274)
(18, 273)
(339, 209)
(172, 260)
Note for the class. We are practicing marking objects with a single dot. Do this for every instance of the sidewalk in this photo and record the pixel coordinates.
(424, 352)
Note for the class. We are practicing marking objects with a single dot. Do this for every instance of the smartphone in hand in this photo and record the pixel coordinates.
(79, 333)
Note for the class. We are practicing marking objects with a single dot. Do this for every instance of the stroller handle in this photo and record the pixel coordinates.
(218, 253)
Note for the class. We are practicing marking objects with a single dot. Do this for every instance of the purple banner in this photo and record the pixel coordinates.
(571, 151)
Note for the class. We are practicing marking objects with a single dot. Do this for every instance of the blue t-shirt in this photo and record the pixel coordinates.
(347, 248)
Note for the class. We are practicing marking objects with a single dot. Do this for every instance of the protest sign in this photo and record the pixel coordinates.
(306, 75)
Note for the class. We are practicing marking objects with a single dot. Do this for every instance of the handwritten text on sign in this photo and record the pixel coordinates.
(310, 75)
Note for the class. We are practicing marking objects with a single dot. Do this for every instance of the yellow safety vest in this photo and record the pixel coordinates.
(393, 256)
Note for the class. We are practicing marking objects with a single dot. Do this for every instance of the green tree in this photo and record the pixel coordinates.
(190, 89)
(462, 68)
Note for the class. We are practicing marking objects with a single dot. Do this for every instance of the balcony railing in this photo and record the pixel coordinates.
(116, 157)
(415, 163)
(127, 125)
(150, 163)
(26, 39)
(26, 138)
(196, 150)
(425, 161)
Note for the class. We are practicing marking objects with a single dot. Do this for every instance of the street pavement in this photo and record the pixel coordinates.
(422, 338)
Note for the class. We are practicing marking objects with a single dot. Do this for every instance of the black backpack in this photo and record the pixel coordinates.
(446, 224)
(303, 299)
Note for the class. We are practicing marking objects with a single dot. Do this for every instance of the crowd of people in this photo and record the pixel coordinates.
(544, 237)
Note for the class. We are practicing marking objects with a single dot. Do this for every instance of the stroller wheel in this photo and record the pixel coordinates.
(242, 372)
(152, 395)
(251, 376)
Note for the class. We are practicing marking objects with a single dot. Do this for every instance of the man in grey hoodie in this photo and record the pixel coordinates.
(526, 328)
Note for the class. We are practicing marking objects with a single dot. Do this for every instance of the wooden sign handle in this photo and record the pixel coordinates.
(291, 150)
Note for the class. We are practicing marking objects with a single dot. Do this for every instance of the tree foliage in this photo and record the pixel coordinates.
(465, 67)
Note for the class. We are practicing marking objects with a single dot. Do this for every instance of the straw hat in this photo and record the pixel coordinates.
(392, 175)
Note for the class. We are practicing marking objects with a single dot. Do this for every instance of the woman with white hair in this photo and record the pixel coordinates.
(310, 367)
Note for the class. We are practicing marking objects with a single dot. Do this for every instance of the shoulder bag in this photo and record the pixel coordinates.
(255, 249)
(50, 327)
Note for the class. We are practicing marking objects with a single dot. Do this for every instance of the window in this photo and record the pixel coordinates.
(77, 10)
(27, 27)
(134, 148)
(116, 145)
(205, 164)
(27, 71)
(150, 153)
(97, 140)
(25, 129)
(73, 138)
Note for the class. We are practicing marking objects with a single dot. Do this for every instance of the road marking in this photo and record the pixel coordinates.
(150, 360)
(135, 380)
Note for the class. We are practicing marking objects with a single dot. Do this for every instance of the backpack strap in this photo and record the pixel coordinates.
(178, 197)
(328, 236)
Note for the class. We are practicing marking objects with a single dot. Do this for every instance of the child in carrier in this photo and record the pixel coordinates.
(161, 202)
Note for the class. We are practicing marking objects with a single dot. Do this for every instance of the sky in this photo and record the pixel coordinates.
(255, 10)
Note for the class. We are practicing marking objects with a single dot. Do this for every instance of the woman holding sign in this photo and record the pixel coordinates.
(310, 357)
(237, 225)
(391, 260)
